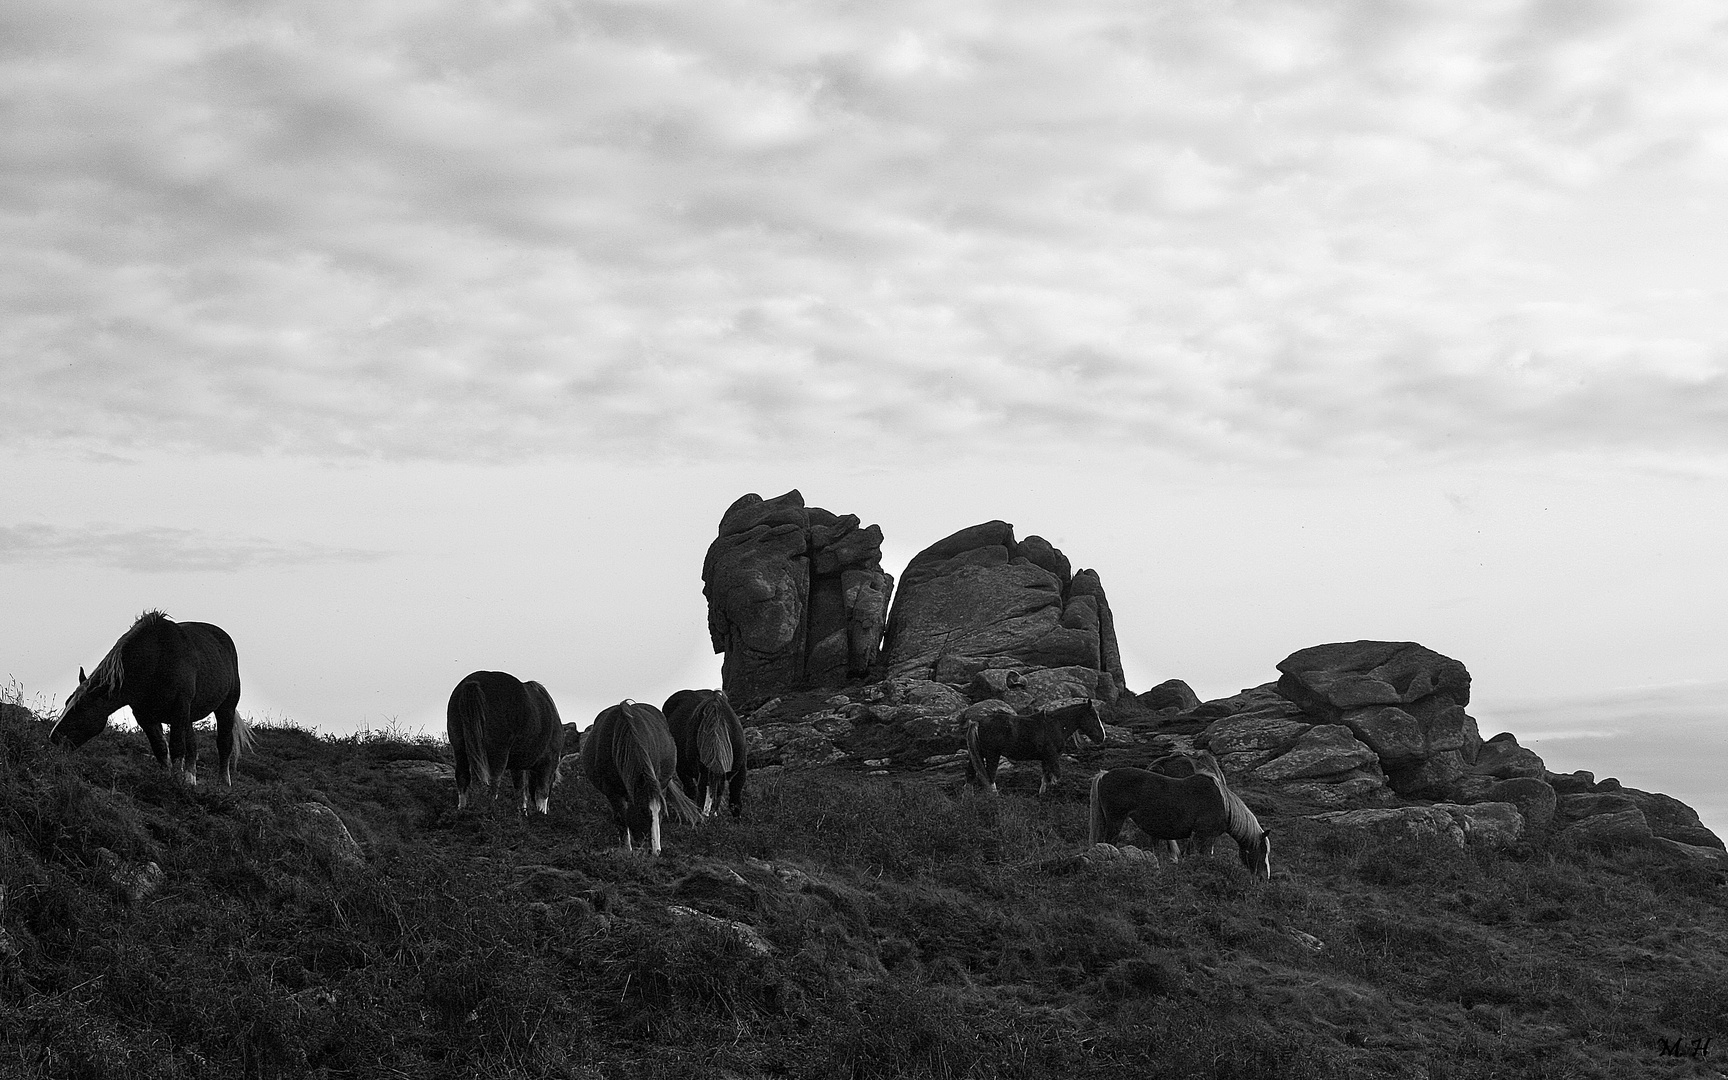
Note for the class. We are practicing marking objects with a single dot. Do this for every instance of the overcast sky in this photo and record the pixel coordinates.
(408, 338)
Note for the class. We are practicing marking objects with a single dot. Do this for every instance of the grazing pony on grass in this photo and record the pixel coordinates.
(169, 673)
(711, 749)
(499, 724)
(1168, 808)
(1040, 737)
(629, 755)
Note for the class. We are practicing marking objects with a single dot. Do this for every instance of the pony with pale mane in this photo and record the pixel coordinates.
(1166, 808)
(629, 755)
(169, 673)
(711, 747)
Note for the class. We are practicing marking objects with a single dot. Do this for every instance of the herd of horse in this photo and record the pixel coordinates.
(680, 759)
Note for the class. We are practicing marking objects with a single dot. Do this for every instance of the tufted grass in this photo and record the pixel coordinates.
(915, 928)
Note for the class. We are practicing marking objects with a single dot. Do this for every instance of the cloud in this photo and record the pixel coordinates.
(162, 550)
(424, 230)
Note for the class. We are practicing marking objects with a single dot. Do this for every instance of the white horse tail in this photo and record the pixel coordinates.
(1095, 814)
(243, 736)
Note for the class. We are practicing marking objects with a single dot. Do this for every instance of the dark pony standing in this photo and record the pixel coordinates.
(628, 753)
(1040, 737)
(711, 749)
(499, 724)
(169, 673)
(1169, 808)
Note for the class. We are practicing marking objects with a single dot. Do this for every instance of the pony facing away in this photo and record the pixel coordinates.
(711, 749)
(169, 673)
(499, 724)
(1168, 808)
(1040, 737)
(628, 753)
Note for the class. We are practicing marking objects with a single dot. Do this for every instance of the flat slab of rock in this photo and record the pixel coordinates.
(1322, 750)
(1496, 824)
(1397, 822)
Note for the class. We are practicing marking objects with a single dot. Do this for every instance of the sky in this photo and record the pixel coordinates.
(405, 339)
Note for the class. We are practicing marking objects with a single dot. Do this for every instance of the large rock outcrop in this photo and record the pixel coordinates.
(1403, 701)
(981, 600)
(797, 597)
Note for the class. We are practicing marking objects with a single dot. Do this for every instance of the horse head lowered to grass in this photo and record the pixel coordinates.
(628, 753)
(1168, 808)
(1040, 737)
(499, 724)
(169, 673)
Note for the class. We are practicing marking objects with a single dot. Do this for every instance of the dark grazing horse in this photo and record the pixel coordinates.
(1040, 737)
(499, 724)
(711, 750)
(628, 753)
(169, 673)
(1169, 808)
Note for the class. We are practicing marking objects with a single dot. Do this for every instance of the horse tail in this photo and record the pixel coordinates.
(1095, 811)
(973, 755)
(471, 716)
(243, 736)
(714, 741)
(681, 804)
(636, 764)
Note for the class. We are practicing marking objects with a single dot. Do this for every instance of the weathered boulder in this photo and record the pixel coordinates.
(797, 744)
(1608, 817)
(1572, 783)
(797, 597)
(1534, 799)
(1615, 827)
(1404, 701)
(1353, 788)
(131, 882)
(1671, 819)
(418, 769)
(1352, 674)
(1397, 822)
(1169, 694)
(1496, 824)
(980, 599)
(1322, 750)
(1502, 758)
(1249, 734)
(324, 832)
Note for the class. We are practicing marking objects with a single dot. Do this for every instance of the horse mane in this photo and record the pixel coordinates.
(109, 675)
(1240, 821)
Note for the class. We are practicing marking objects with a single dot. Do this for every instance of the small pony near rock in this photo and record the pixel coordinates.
(169, 673)
(1040, 737)
(1171, 809)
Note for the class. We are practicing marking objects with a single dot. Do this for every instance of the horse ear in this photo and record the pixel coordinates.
(80, 676)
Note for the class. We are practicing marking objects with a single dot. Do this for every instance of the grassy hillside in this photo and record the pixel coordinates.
(891, 926)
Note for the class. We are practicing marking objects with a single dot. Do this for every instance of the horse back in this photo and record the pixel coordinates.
(191, 661)
(629, 742)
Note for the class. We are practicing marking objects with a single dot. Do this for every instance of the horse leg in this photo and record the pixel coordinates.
(152, 726)
(1049, 771)
(183, 744)
(992, 761)
(735, 790)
